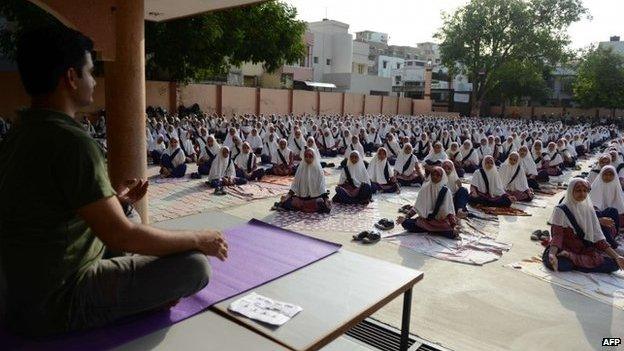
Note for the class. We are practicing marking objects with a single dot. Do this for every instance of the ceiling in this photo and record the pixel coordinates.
(163, 10)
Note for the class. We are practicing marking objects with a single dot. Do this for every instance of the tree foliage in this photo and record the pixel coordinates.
(515, 80)
(484, 35)
(600, 79)
(196, 47)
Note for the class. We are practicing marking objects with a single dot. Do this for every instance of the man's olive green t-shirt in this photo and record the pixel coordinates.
(49, 168)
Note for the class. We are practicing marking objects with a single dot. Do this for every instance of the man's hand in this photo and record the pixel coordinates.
(606, 222)
(458, 183)
(132, 191)
(400, 220)
(620, 262)
(212, 243)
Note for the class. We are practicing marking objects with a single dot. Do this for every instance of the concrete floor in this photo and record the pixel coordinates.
(464, 307)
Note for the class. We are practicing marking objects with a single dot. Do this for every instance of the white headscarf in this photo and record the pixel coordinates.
(376, 169)
(275, 158)
(604, 195)
(179, 157)
(583, 212)
(354, 147)
(427, 196)
(242, 159)
(528, 164)
(358, 171)
(309, 180)
(403, 158)
(507, 171)
(222, 166)
(452, 178)
(436, 156)
(496, 186)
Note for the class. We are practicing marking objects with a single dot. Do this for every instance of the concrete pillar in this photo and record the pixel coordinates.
(125, 99)
(428, 78)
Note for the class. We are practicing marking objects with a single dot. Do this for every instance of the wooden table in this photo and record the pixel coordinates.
(336, 293)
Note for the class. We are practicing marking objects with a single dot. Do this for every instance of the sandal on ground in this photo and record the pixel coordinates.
(361, 236)
(536, 235)
(220, 191)
(195, 175)
(545, 235)
(405, 209)
(276, 206)
(371, 238)
(384, 224)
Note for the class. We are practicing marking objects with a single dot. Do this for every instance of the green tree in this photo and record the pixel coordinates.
(515, 80)
(196, 47)
(479, 38)
(600, 79)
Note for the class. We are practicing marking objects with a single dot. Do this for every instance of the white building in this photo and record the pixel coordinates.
(386, 65)
(333, 48)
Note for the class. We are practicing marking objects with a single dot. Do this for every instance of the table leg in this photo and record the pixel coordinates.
(405, 324)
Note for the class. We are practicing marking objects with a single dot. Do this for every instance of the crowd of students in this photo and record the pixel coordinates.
(508, 159)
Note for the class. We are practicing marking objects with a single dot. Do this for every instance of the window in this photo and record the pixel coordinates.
(409, 63)
(385, 64)
(398, 65)
(397, 79)
(360, 69)
(329, 62)
(315, 59)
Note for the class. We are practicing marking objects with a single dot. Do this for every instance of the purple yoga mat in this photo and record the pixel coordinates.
(258, 253)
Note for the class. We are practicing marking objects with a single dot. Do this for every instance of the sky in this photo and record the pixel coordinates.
(412, 21)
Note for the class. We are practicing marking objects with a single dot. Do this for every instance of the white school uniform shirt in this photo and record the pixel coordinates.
(358, 173)
(376, 169)
(582, 211)
(178, 159)
(222, 167)
(309, 179)
(189, 149)
(427, 196)
(402, 159)
(496, 186)
(507, 171)
(276, 159)
(254, 141)
(354, 147)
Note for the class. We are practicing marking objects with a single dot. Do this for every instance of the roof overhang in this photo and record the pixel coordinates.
(164, 10)
(320, 85)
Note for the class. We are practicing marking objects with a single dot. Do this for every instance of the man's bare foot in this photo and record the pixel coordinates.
(564, 253)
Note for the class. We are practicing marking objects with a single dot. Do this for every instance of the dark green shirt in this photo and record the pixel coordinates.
(49, 167)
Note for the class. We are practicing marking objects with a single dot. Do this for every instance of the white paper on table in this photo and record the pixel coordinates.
(264, 309)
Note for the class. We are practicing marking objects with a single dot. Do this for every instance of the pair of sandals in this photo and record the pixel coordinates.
(384, 224)
(405, 209)
(195, 175)
(540, 235)
(367, 237)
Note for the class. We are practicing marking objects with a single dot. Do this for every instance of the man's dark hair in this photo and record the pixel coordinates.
(45, 54)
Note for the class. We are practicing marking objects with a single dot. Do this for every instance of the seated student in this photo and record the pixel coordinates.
(553, 161)
(460, 194)
(373, 141)
(608, 201)
(393, 147)
(207, 155)
(343, 141)
(354, 185)
(283, 160)
(434, 207)
(327, 144)
(423, 146)
(296, 143)
(188, 148)
(157, 149)
(603, 161)
(578, 242)
(354, 145)
(435, 157)
(237, 147)
(255, 141)
(406, 169)
(246, 166)
(223, 171)
(308, 192)
(470, 158)
(173, 162)
(486, 187)
(507, 147)
(530, 169)
(455, 155)
(579, 146)
(514, 179)
(269, 149)
(569, 160)
(382, 174)
(229, 138)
